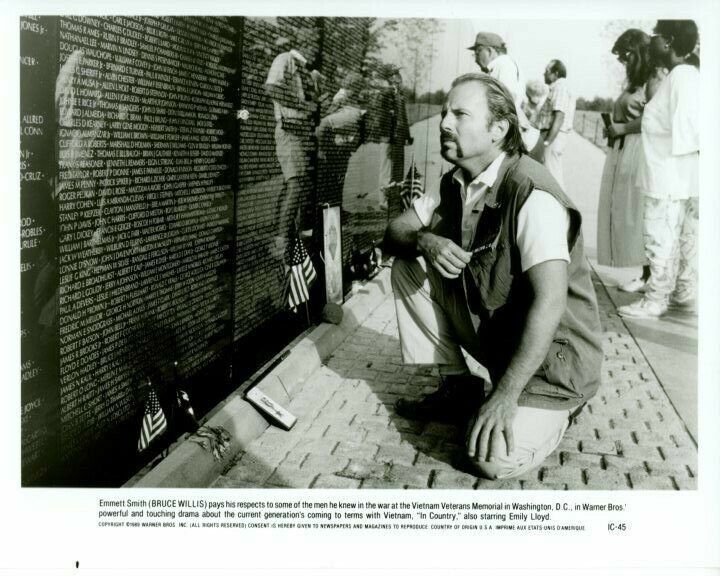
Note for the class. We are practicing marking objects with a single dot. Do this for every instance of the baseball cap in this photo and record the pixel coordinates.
(487, 39)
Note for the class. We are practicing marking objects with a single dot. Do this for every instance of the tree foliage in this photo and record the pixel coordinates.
(408, 43)
(437, 97)
(597, 104)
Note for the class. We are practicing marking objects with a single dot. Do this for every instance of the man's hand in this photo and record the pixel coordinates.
(490, 435)
(443, 254)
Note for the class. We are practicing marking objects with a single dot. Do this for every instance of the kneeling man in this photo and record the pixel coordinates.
(494, 263)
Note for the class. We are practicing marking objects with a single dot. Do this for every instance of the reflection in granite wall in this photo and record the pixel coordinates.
(169, 164)
(40, 396)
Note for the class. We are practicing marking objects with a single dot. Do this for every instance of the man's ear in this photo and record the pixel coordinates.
(499, 129)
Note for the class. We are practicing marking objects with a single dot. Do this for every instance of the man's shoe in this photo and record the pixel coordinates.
(647, 309)
(456, 400)
(637, 285)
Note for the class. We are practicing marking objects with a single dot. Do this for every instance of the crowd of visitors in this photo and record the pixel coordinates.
(648, 213)
(648, 208)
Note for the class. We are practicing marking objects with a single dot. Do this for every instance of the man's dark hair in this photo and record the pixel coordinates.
(682, 35)
(501, 106)
(558, 68)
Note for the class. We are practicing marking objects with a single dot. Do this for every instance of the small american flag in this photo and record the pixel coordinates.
(302, 275)
(412, 186)
(153, 423)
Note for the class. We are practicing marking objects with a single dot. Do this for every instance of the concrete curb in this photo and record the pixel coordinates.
(190, 466)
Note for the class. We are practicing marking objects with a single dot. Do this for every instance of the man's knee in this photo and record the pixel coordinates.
(537, 434)
(499, 470)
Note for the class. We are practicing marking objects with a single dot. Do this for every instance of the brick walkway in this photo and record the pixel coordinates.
(347, 435)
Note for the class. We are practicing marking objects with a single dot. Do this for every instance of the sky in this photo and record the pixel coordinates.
(583, 45)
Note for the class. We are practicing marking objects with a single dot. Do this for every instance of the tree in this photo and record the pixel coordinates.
(597, 104)
(437, 97)
(407, 42)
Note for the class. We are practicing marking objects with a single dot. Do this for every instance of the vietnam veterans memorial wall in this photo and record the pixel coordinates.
(152, 185)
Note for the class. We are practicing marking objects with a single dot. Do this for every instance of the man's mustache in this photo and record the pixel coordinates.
(447, 137)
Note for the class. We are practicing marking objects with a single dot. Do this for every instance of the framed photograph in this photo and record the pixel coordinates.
(332, 252)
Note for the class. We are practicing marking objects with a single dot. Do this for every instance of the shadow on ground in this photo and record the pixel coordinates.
(348, 435)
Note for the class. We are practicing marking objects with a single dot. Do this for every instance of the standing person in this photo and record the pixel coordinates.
(379, 160)
(492, 57)
(556, 118)
(338, 136)
(294, 93)
(499, 249)
(370, 169)
(620, 240)
(668, 175)
(400, 133)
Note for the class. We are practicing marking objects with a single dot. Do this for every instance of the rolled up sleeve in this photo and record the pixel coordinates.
(425, 206)
(542, 230)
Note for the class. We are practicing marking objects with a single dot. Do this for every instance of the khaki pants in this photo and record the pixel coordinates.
(434, 323)
(553, 158)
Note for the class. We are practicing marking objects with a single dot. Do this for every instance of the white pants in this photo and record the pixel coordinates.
(671, 246)
(434, 322)
(553, 158)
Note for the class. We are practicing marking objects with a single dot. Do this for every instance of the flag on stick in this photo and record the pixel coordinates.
(301, 275)
(412, 186)
(154, 423)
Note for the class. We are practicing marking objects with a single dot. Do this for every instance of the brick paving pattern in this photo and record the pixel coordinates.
(347, 435)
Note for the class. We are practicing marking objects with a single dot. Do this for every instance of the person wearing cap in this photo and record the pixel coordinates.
(493, 262)
(386, 132)
(491, 55)
(294, 91)
(556, 118)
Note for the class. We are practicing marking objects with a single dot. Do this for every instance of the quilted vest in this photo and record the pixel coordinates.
(500, 294)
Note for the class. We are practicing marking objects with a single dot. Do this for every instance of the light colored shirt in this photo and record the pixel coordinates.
(285, 72)
(670, 137)
(542, 225)
(506, 70)
(559, 99)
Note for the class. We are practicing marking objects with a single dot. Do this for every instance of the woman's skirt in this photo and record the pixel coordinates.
(620, 211)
